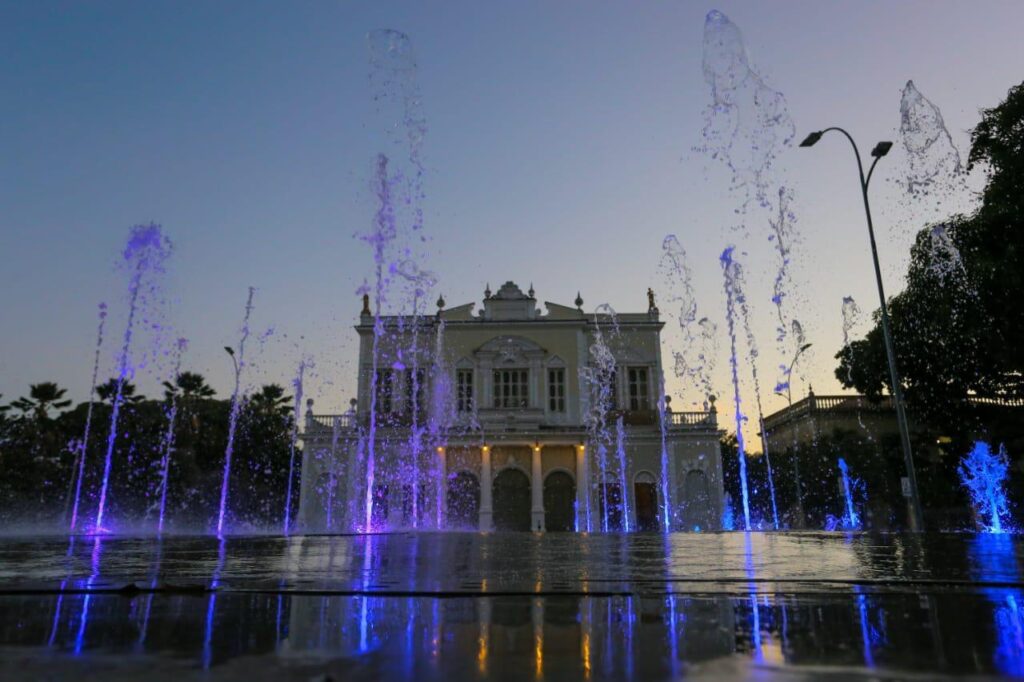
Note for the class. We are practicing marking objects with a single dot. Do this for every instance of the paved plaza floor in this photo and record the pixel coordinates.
(452, 606)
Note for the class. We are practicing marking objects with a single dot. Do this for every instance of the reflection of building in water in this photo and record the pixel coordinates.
(480, 420)
(516, 637)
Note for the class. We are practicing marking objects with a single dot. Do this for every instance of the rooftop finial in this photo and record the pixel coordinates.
(487, 291)
(579, 300)
(530, 292)
(366, 305)
(440, 302)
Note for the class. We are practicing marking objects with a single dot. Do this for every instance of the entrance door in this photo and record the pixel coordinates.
(697, 501)
(610, 506)
(463, 500)
(511, 501)
(559, 502)
(646, 494)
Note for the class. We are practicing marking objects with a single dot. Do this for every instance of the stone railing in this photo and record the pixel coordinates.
(691, 419)
(827, 403)
(328, 421)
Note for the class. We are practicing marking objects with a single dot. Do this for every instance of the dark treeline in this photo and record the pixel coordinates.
(40, 445)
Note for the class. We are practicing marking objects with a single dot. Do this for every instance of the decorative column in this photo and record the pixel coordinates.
(537, 488)
(582, 489)
(442, 488)
(486, 488)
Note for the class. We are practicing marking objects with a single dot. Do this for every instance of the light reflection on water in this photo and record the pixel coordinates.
(532, 637)
(434, 606)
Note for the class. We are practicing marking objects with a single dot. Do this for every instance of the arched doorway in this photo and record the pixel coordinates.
(511, 500)
(696, 501)
(559, 502)
(645, 492)
(463, 500)
(610, 506)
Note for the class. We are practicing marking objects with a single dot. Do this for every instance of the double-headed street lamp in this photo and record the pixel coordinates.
(880, 150)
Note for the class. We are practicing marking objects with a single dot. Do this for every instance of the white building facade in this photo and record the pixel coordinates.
(511, 419)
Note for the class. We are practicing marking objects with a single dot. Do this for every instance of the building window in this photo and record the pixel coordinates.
(511, 388)
(415, 390)
(556, 390)
(464, 390)
(639, 396)
(608, 395)
(383, 391)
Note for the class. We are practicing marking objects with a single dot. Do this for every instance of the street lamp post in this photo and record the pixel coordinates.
(880, 150)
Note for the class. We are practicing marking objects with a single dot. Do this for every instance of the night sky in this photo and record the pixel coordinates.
(559, 151)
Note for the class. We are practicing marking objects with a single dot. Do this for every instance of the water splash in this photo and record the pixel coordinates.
(84, 445)
(168, 443)
(731, 271)
(694, 362)
(983, 473)
(296, 420)
(934, 169)
(236, 407)
(144, 257)
(851, 520)
(944, 262)
(747, 124)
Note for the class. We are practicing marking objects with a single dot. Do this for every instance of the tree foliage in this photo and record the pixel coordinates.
(39, 448)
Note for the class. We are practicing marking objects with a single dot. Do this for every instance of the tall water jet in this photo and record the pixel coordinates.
(167, 446)
(851, 519)
(731, 271)
(236, 407)
(379, 238)
(620, 452)
(598, 378)
(393, 78)
(82, 449)
(143, 257)
(983, 474)
(296, 420)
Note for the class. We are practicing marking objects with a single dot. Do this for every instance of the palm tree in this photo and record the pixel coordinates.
(270, 401)
(42, 397)
(191, 385)
(108, 391)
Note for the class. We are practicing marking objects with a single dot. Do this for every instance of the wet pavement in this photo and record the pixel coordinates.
(513, 606)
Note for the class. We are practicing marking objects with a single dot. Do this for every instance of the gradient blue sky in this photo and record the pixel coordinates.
(558, 152)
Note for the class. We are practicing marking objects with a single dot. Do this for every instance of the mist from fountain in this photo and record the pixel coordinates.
(144, 258)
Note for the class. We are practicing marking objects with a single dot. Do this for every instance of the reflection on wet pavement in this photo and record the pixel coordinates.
(513, 606)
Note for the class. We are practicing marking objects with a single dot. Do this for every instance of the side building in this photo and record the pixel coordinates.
(511, 419)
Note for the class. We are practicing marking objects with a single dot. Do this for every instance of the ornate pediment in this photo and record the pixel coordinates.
(511, 350)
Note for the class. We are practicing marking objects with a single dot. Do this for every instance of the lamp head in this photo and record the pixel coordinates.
(881, 149)
(812, 139)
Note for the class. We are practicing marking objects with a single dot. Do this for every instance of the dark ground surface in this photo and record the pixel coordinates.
(512, 606)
